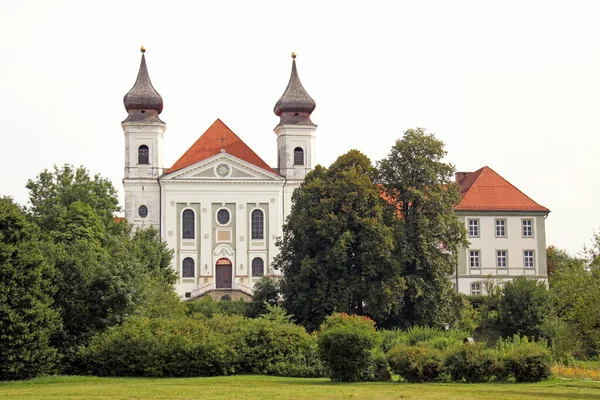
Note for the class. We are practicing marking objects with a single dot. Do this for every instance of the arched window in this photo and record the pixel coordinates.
(143, 155)
(258, 267)
(298, 156)
(188, 230)
(187, 270)
(475, 289)
(257, 219)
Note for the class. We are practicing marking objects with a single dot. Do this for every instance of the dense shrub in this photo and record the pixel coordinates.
(378, 369)
(346, 346)
(416, 364)
(198, 346)
(527, 361)
(524, 305)
(207, 307)
(474, 363)
(159, 347)
(422, 336)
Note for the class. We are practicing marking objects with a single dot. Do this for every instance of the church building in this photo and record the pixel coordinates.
(220, 207)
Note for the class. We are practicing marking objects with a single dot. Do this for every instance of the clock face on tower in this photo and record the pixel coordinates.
(223, 170)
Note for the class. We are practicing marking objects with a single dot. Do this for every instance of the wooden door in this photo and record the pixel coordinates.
(224, 274)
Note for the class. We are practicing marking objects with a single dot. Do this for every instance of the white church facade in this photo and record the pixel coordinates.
(221, 208)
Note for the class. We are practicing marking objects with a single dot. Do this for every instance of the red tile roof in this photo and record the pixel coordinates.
(210, 144)
(485, 190)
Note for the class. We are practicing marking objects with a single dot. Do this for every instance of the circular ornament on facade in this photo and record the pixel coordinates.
(223, 216)
(223, 170)
(143, 211)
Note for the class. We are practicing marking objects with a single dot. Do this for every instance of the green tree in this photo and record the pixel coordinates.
(574, 289)
(420, 186)
(524, 306)
(53, 192)
(102, 269)
(27, 318)
(336, 251)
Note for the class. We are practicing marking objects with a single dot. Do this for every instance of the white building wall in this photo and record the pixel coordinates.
(514, 243)
(243, 197)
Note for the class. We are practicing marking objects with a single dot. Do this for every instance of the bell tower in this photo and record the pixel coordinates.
(295, 131)
(143, 151)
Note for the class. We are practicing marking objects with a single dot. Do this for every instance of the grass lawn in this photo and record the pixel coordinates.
(263, 387)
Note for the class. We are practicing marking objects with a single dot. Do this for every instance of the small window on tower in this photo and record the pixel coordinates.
(298, 156)
(143, 211)
(143, 155)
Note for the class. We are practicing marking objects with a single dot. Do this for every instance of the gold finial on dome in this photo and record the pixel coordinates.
(293, 55)
(143, 49)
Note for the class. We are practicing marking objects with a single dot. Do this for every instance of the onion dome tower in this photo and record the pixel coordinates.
(295, 131)
(143, 150)
(295, 105)
(143, 101)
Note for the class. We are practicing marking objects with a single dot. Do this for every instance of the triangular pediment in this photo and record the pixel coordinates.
(223, 167)
(218, 138)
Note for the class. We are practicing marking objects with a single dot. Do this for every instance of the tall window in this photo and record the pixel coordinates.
(501, 259)
(143, 155)
(528, 258)
(475, 289)
(298, 156)
(527, 228)
(257, 219)
(187, 270)
(474, 258)
(188, 230)
(500, 228)
(473, 227)
(258, 267)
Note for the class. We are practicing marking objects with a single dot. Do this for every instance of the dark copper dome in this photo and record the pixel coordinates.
(295, 105)
(142, 95)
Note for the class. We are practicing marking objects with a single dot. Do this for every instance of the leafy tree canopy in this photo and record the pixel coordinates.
(336, 250)
(52, 193)
(420, 185)
(27, 318)
(102, 269)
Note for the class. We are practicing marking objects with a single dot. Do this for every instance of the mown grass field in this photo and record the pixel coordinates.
(263, 387)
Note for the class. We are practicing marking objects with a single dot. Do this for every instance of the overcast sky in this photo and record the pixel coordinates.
(514, 85)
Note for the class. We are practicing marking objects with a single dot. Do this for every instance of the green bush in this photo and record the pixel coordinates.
(527, 361)
(416, 364)
(473, 363)
(378, 369)
(159, 347)
(207, 307)
(346, 346)
(422, 336)
(198, 346)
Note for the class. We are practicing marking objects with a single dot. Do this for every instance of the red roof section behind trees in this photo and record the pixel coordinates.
(216, 138)
(485, 190)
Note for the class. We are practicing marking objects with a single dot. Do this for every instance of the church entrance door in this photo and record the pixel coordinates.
(223, 273)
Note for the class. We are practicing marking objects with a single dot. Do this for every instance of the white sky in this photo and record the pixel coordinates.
(510, 84)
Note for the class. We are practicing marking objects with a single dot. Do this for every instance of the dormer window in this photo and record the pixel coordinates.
(143, 155)
(298, 156)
